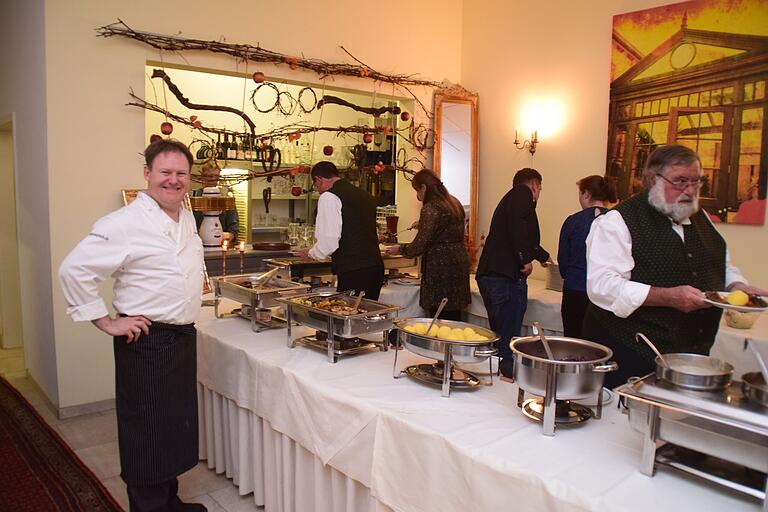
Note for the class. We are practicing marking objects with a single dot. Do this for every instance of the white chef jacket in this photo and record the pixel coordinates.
(157, 265)
(610, 264)
(327, 226)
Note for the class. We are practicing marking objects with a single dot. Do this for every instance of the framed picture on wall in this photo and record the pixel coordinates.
(695, 74)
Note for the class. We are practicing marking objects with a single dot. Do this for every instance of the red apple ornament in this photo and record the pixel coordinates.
(405, 116)
(296, 190)
(367, 138)
(328, 150)
(166, 128)
(258, 77)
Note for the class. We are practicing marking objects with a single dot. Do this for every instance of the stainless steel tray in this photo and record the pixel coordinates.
(234, 288)
(462, 351)
(719, 424)
(294, 267)
(377, 318)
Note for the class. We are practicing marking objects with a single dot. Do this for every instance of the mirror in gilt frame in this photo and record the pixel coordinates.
(456, 151)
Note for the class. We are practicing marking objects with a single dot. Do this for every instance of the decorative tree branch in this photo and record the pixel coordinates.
(375, 112)
(255, 54)
(159, 73)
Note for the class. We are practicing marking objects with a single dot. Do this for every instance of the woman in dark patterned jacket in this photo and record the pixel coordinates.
(440, 243)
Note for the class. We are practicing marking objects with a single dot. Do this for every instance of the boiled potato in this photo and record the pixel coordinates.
(433, 331)
(457, 333)
(420, 328)
(737, 298)
(410, 328)
(444, 332)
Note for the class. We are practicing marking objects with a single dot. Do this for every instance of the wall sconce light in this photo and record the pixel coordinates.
(530, 144)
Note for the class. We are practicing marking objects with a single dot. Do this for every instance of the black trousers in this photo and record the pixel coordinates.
(572, 311)
(368, 279)
(160, 497)
(156, 404)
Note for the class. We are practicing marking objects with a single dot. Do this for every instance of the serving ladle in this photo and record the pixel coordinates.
(544, 341)
(437, 313)
(356, 307)
(641, 337)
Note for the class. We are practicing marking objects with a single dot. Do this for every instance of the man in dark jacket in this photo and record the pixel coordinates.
(506, 262)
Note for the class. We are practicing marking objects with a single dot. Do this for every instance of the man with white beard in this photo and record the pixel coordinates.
(649, 262)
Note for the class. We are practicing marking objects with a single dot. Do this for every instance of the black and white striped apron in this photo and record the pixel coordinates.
(156, 402)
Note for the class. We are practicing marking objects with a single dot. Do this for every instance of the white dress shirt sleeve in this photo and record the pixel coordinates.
(327, 226)
(609, 267)
(94, 259)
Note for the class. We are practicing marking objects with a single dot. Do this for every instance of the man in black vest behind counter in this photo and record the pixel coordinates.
(345, 230)
(649, 262)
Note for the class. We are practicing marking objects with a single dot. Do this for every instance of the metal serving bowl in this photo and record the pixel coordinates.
(754, 387)
(580, 366)
(694, 371)
(434, 348)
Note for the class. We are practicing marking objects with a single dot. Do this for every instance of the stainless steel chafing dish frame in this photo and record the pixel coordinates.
(379, 317)
(686, 424)
(225, 286)
(446, 351)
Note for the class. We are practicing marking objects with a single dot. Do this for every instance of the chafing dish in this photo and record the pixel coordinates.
(446, 352)
(576, 372)
(340, 329)
(240, 288)
(694, 371)
(294, 267)
(727, 433)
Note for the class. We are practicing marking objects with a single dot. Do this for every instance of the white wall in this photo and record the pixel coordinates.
(22, 95)
(95, 141)
(517, 52)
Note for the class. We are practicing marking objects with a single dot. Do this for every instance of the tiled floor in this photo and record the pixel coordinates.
(93, 437)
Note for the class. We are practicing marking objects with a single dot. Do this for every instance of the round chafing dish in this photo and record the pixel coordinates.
(580, 366)
(462, 351)
(754, 387)
(694, 371)
(446, 352)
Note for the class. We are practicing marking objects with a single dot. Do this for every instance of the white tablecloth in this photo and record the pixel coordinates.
(411, 449)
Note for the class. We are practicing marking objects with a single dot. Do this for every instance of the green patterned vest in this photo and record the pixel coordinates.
(663, 260)
(359, 243)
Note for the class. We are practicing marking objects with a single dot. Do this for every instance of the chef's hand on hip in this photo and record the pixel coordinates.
(129, 326)
(526, 269)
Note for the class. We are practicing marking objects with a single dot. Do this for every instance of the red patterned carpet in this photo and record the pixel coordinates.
(38, 471)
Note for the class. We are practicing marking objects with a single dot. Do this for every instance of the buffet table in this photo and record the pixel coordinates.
(303, 434)
(544, 306)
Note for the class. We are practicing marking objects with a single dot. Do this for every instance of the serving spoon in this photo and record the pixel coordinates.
(641, 337)
(544, 341)
(359, 299)
(437, 314)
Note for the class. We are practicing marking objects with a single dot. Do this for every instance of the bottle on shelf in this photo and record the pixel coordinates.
(240, 154)
(248, 143)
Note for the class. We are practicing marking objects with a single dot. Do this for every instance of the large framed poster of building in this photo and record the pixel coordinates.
(694, 73)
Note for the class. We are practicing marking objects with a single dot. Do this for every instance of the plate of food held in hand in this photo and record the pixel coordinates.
(737, 300)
